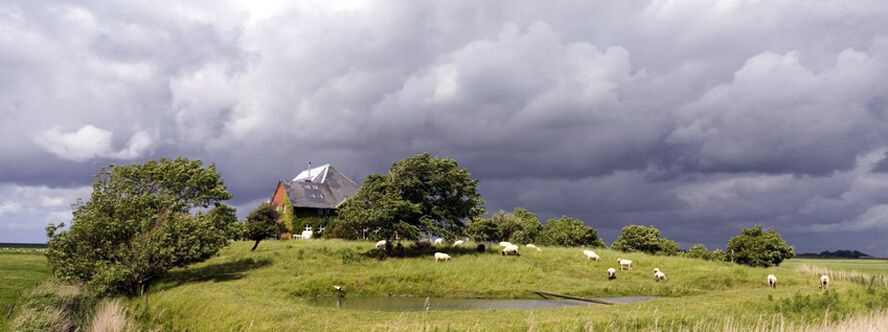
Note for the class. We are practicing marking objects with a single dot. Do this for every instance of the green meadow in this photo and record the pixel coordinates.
(878, 267)
(20, 271)
(272, 288)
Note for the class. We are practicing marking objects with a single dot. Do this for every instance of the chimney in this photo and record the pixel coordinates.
(309, 172)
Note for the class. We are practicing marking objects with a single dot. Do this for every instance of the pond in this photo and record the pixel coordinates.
(447, 304)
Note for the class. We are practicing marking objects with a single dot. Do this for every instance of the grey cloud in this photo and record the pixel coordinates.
(697, 117)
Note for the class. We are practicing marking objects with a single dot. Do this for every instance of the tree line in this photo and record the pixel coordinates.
(142, 220)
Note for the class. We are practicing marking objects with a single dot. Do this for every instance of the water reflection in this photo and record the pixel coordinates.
(446, 304)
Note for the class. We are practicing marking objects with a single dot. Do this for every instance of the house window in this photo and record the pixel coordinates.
(308, 228)
(314, 187)
(321, 229)
(321, 196)
(307, 187)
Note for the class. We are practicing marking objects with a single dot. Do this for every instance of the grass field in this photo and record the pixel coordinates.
(270, 289)
(877, 267)
(20, 270)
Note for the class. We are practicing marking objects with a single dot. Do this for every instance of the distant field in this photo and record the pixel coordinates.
(877, 267)
(19, 270)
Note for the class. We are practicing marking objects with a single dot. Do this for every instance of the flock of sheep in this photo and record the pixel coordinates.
(512, 249)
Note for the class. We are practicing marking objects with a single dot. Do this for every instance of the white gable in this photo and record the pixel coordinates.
(317, 174)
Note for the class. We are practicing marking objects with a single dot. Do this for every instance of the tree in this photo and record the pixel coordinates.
(138, 224)
(569, 232)
(484, 230)
(530, 226)
(262, 224)
(644, 239)
(419, 195)
(698, 251)
(756, 247)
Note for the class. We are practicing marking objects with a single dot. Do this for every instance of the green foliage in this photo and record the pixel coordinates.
(419, 195)
(518, 226)
(756, 247)
(569, 232)
(718, 255)
(340, 229)
(644, 239)
(137, 225)
(698, 251)
(484, 230)
(262, 224)
(55, 306)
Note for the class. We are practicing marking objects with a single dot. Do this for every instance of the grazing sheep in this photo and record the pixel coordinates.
(380, 244)
(624, 263)
(440, 256)
(659, 275)
(504, 244)
(532, 246)
(591, 255)
(458, 243)
(511, 250)
(611, 274)
(772, 281)
(481, 248)
(824, 281)
(439, 241)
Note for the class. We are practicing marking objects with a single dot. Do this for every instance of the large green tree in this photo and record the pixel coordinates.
(755, 246)
(419, 195)
(569, 232)
(138, 223)
(644, 239)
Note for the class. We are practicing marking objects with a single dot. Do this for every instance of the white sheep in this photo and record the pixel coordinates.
(772, 281)
(439, 241)
(440, 256)
(504, 244)
(611, 273)
(458, 243)
(624, 263)
(591, 255)
(824, 281)
(511, 250)
(532, 246)
(380, 244)
(659, 275)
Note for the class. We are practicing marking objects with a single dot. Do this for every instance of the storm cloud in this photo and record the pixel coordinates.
(696, 117)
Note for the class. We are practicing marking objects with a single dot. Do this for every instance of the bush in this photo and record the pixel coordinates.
(757, 247)
(698, 251)
(340, 229)
(569, 232)
(519, 226)
(644, 239)
(484, 230)
(718, 255)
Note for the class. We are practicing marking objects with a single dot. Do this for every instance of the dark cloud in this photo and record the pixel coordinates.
(699, 118)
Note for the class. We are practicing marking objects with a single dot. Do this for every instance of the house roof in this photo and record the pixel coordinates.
(320, 187)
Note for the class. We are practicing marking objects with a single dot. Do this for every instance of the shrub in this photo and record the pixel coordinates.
(644, 239)
(698, 251)
(261, 224)
(569, 232)
(718, 255)
(519, 226)
(484, 229)
(757, 247)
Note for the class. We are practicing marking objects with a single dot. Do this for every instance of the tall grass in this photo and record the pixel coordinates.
(857, 277)
(53, 306)
(111, 316)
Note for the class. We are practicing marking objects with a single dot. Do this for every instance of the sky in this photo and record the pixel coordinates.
(697, 117)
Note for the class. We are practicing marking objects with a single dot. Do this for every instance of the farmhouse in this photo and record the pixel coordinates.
(311, 198)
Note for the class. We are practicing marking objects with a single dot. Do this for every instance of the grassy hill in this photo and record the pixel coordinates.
(272, 288)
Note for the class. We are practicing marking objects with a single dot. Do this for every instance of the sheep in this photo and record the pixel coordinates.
(380, 244)
(440, 256)
(439, 241)
(611, 274)
(458, 243)
(624, 262)
(532, 246)
(772, 281)
(504, 244)
(511, 249)
(824, 281)
(659, 275)
(591, 255)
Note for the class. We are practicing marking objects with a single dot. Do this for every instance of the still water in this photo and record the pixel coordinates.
(445, 304)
